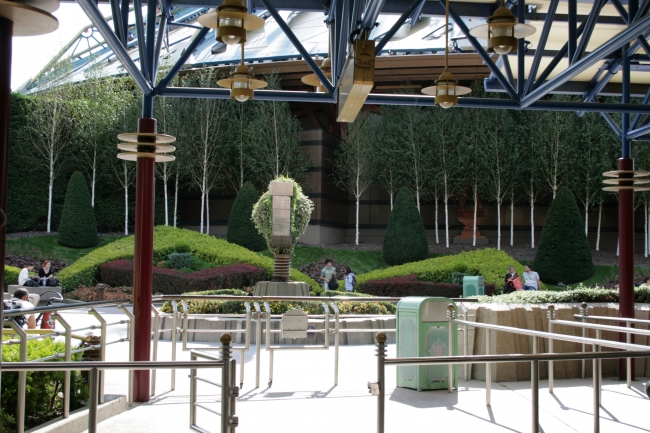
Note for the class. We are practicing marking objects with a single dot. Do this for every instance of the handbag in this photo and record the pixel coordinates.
(333, 284)
(516, 282)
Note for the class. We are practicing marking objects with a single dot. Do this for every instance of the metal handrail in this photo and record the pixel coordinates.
(613, 319)
(288, 298)
(62, 307)
(378, 388)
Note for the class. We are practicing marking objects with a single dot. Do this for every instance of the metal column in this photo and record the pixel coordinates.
(143, 261)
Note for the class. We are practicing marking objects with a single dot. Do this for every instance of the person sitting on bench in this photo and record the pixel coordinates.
(45, 273)
(21, 302)
(25, 280)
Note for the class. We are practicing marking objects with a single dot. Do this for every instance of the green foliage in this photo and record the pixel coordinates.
(490, 263)
(42, 402)
(301, 208)
(241, 229)
(405, 239)
(182, 247)
(180, 260)
(47, 247)
(11, 275)
(457, 277)
(389, 306)
(564, 253)
(78, 227)
(579, 294)
(200, 306)
(85, 271)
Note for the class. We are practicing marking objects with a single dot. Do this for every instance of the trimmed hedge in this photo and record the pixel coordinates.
(563, 254)
(174, 282)
(11, 275)
(405, 239)
(78, 227)
(241, 228)
(399, 287)
(492, 264)
(200, 306)
(580, 294)
(85, 271)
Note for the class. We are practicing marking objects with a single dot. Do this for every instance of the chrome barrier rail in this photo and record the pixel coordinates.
(263, 318)
(94, 367)
(68, 334)
(229, 389)
(378, 388)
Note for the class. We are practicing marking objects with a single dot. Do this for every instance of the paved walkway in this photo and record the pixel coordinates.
(304, 399)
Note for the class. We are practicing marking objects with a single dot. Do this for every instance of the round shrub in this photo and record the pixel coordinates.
(78, 227)
(241, 229)
(182, 247)
(405, 239)
(180, 260)
(564, 254)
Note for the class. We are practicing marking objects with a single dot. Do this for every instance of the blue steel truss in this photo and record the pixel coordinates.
(347, 18)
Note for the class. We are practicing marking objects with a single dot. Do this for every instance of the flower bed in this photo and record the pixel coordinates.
(399, 287)
(174, 282)
(579, 294)
(85, 271)
(89, 294)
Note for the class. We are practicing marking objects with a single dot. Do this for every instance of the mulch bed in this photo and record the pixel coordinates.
(314, 269)
(24, 261)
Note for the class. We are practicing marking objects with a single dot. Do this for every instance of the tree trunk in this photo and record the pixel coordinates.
(176, 199)
(436, 217)
(475, 214)
(446, 216)
(207, 212)
(512, 219)
(356, 234)
(49, 200)
(532, 222)
(391, 201)
(600, 217)
(92, 183)
(586, 217)
(126, 200)
(165, 192)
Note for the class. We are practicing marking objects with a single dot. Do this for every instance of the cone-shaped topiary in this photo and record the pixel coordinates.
(405, 240)
(78, 227)
(563, 254)
(241, 228)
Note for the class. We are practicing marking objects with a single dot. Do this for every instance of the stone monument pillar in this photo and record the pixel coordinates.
(281, 192)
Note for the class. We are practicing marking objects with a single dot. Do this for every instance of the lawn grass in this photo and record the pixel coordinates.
(47, 247)
(360, 261)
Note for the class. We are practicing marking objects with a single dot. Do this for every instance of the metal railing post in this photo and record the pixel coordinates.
(584, 312)
(68, 358)
(488, 371)
(186, 322)
(629, 360)
(267, 307)
(102, 350)
(534, 385)
(233, 420)
(193, 393)
(22, 378)
(551, 373)
(131, 332)
(247, 343)
(93, 385)
(156, 327)
(466, 342)
(380, 338)
(327, 324)
(174, 337)
(258, 342)
(596, 387)
(225, 382)
(600, 367)
(450, 367)
(336, 342)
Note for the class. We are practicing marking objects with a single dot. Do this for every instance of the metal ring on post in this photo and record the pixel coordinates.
(626, 180)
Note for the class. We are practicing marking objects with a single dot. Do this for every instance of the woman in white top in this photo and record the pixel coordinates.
(531, 279)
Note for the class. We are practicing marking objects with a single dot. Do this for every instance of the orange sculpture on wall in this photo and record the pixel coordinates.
(465, 215)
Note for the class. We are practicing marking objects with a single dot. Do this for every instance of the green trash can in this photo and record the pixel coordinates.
(423, 330)
(473, 286)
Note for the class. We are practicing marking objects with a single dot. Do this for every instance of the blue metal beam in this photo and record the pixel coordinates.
(611, 72)
(162, 28)
(198, 38)
(619, 41)
(117, 23)
(142, 43)
(636, 133)
(508, 69)
(337, 67)
(521, 48)
(296, 43)
(151, 38)
(643, 9)
(401, 20)
(124, 10)
(621, 10)
(556, 60)
(371, 13)
(481, 52)
(344, 33)
(111, 40)
(589, 28)
(572, 20)
(612, 124)
(539, 50)
(260, 95)
(637, 117)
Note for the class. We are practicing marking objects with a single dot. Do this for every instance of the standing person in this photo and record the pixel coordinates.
(327, 273)
(350, 280)
(45, 274)
(25, 280)
(531, 279)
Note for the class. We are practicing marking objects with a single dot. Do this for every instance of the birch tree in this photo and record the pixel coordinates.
(556, 132)
(50, 131)
(389, 155)
(531, 169)
(353, 166)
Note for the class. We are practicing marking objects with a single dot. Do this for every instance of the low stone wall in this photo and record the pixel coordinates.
(535, 317)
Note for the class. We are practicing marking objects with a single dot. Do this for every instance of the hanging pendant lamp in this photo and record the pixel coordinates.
(241, 82)
(502, 31)
(446, 89)
(312, 79)
(231, 21)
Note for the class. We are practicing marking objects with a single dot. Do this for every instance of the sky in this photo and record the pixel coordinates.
(31, 54)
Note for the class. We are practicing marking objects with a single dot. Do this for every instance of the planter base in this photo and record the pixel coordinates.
(281, 288)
